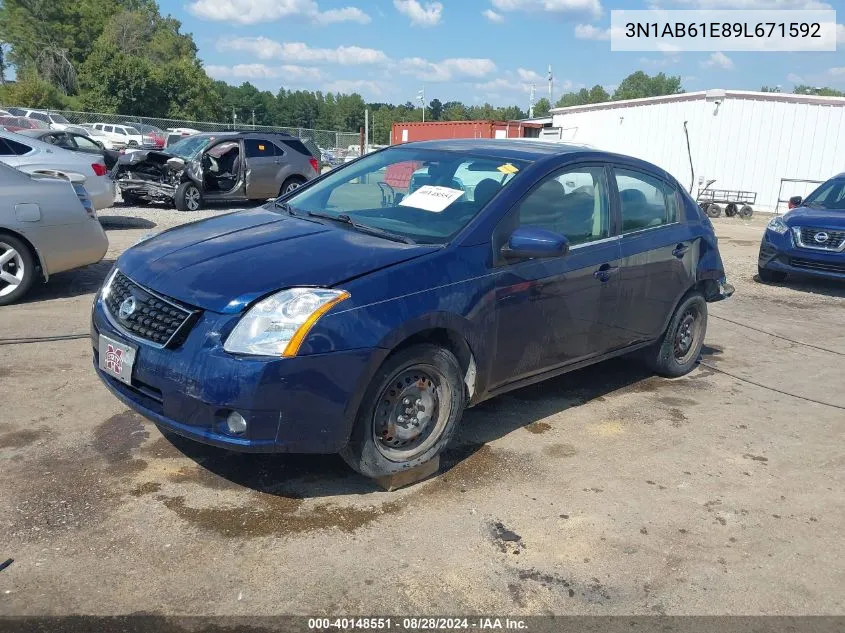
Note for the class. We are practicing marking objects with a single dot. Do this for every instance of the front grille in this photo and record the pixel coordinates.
(154, 319)
(810, 264)
(835, 239)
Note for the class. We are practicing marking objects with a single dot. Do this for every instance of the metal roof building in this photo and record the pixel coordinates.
(743, 140)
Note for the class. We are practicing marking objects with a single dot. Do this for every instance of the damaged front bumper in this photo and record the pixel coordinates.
(147, 189)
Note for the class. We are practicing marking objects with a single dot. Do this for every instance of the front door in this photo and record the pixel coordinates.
(261, 167)
(556, 311)
(658, 254)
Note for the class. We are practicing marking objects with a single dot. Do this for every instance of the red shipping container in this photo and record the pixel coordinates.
(436, 130)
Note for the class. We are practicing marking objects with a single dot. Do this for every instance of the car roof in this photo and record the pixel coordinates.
(517, 149)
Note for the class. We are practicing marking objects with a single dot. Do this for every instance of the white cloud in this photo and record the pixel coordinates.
(660, 62)
(836, 72)
(290, 73)
(718, 60)
(746, 4)
(361, 86)
(840, 33)
(428, 14)
(447, 69)
(529, 76)
(591, 32)
(491, 15)
(255, 11)
(592, 7)
(265, 48)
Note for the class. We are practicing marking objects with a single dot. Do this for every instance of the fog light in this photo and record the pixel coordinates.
(236, 423)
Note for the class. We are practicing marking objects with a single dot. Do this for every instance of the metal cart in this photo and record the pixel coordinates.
(736, 202)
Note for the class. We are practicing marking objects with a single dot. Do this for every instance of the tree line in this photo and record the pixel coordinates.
(124, 57)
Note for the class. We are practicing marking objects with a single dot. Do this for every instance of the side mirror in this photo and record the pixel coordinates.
(534, 242)
(795, 201)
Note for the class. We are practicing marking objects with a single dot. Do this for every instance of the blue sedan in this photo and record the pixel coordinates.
(810, 238)
(364, 312)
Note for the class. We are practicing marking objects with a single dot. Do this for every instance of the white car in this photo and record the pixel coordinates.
(54, 120)
(32, 156)
(125, 135)
(102, 137)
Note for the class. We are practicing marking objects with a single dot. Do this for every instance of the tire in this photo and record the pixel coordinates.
(430, 378)
(731, 210)
(771, 276)
(677, 351)
(746, 212)
(291, 184)
(188, 197)
(713, 210)
(17, 269)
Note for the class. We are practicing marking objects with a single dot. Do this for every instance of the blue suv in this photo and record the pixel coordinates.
(364, 312)
(810, 238)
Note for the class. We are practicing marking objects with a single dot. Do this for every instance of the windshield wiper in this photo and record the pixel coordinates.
(363, 228)
(284, 206)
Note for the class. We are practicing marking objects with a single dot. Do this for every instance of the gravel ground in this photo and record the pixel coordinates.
(605, 491)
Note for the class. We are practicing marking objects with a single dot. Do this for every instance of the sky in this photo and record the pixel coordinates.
(474, 51)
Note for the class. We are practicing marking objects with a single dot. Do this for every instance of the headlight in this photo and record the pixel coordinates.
(277, 325)
(777, 225)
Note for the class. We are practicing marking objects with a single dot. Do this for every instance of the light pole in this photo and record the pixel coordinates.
(421, 97)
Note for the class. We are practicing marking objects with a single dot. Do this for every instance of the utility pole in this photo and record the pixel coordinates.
(531, 103)
(366, 131)
(551, 86)
(234, 119)
(253, 118)
(421, 97)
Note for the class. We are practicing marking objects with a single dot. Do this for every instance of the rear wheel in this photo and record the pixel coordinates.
(17, 269)
(771, 276)
(676, 353)
(291, 184)
(409, 412)
(188, 197)
(731, 210)
(746, 212)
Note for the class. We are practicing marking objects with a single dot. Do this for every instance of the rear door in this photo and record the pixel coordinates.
(658, 252)
(261, 167)
(556, 311)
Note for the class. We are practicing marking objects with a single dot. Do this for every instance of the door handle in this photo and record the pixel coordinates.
(680, 250)
(605, 271)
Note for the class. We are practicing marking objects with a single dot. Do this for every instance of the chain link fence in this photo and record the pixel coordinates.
(337, 144)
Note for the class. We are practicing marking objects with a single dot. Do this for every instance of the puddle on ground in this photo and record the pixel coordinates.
(538, 427)
(560, 450)
(22, 438)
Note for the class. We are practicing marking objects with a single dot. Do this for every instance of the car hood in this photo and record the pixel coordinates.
(224, 263)
(815, 218)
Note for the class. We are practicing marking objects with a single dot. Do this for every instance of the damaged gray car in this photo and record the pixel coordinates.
(214, 168)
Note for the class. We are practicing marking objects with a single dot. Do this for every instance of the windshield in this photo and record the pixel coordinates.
(58, 118)
(831, 196)
(423, 195)
(190, 146)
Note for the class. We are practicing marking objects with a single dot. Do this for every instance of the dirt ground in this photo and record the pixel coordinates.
(606, 491)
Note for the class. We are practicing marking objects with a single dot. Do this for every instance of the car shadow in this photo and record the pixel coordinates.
(71, 283)
(813, 285)
(123, 222)
(315, 476)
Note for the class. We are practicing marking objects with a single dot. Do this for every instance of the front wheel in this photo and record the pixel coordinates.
(409, 412)
(676, 353)
(188, 197)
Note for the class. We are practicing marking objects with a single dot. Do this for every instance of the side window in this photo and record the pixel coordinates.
(573, 203)
(259, 148)
(5, 150)
(16, 149)
(108, 128)
(643, 201)
(40, 116)
(673, 213)
(85, 143)
(120, 130)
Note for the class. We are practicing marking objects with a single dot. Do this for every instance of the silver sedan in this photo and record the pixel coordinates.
(47, 225)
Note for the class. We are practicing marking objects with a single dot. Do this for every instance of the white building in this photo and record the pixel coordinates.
(744, 140)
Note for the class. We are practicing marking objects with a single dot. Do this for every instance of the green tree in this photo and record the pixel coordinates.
(455, 111)
(32, 91)
(435, 110)
(542, 107)
(598, 94)
(820, 92)
(639, 85)
(116, 82)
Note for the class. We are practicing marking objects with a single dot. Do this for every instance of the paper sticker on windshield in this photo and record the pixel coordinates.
(431, 198)
(507, 168)
(261, 147)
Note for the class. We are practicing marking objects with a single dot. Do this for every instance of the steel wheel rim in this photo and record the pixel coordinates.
(12, 270)
(292, 187)
(687, 335)
(192, 198)
(421, 396)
